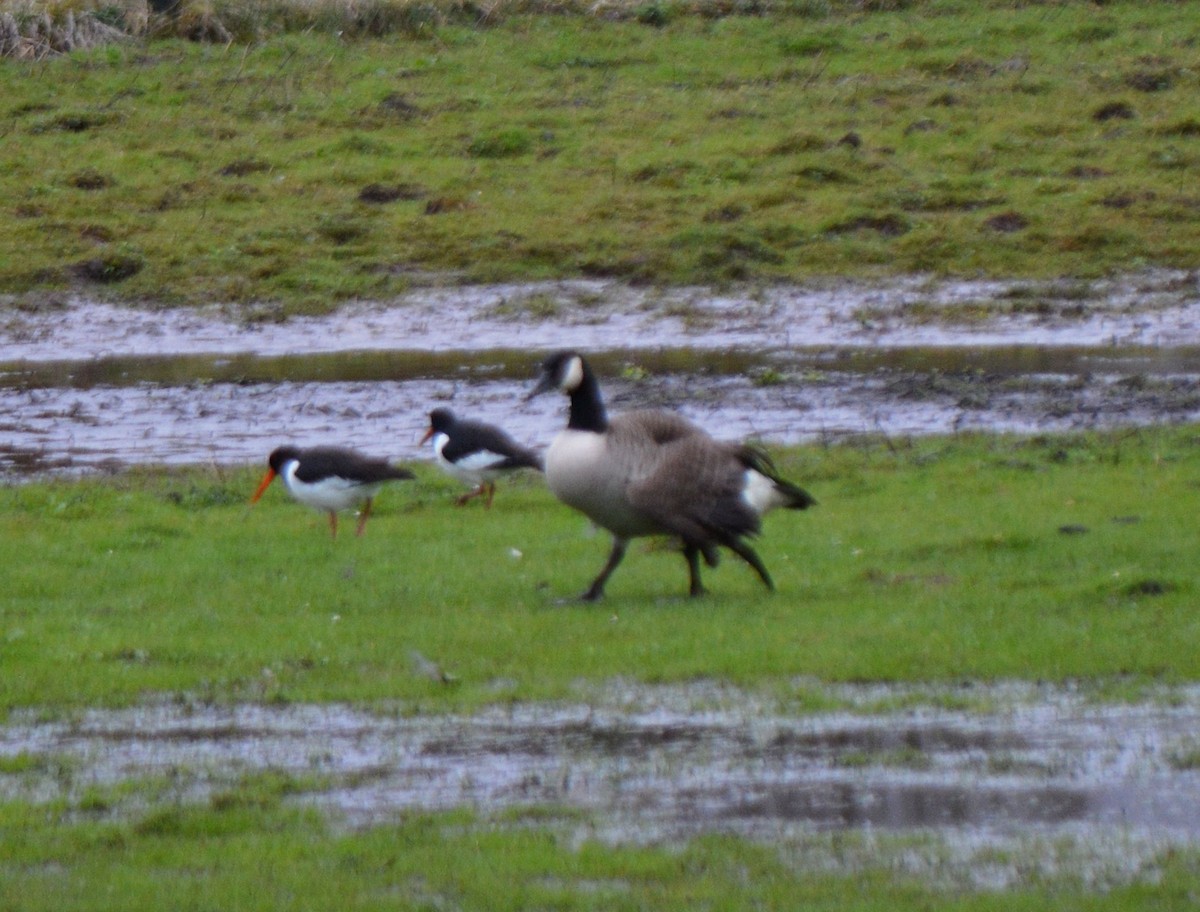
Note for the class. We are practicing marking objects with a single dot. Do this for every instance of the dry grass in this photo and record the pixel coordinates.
(32, 29)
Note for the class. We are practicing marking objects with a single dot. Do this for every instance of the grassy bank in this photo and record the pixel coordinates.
(303, 164)
(247, 853)
(936, 560)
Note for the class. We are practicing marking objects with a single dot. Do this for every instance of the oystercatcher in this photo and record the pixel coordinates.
(652, 472)
(330, 479)
(476, 453)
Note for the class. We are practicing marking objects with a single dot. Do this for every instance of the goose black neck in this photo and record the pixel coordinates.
(587, 406)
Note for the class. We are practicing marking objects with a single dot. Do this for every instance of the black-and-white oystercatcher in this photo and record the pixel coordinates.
(330, 479)
(476, 453)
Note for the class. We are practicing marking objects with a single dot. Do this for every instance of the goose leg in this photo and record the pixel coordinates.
(746, 553)
(692, 553)
(333, 523)
(596, 589)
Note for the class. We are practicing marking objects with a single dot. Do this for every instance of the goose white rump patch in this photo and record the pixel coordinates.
(760, 492)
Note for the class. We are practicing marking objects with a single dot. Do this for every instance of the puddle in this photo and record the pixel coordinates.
(59, 430)
(1156, 309)
(1045, 766)
(90, 387)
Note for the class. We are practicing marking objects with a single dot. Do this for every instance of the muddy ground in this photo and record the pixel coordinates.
(86, 386)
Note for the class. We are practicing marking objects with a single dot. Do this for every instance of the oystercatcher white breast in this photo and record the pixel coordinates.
(476, 453)
(331, 479)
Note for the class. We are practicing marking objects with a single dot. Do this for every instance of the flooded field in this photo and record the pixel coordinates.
(973, 798)
(86, 386)
(1037, 782)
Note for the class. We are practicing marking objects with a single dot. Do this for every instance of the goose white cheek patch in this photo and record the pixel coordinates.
(573, 375)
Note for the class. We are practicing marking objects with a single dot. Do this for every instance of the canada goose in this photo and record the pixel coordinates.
(476, 453)
(652, 472)
(330, 479)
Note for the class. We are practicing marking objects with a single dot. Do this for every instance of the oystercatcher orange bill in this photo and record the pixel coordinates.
(263, 485)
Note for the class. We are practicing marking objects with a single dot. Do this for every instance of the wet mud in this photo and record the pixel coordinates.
(1159, 309)
(665, 766)
(67, 430)
(88, 387)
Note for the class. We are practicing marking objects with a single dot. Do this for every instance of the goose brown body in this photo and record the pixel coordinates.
(652, 472)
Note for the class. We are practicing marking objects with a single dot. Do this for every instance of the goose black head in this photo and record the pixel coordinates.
(564, 371)
(569, 373)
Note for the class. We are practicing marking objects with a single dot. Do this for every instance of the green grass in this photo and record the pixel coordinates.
(251, 851)
(934, 560)
(1004, 139)
(253, 857)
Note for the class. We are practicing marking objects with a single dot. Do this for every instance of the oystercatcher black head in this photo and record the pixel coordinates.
(476, 453)
(331, 479)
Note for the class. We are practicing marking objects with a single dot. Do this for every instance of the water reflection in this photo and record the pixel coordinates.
(666, 774)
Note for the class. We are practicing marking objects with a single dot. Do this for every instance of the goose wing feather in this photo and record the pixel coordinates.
(651, 427)
(692, 487)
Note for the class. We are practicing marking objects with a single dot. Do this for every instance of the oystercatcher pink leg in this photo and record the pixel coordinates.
(363, 515)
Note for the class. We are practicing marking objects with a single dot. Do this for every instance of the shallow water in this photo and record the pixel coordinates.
(660, 765)
(64, 429)
(1160, 309)
(88, 386)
